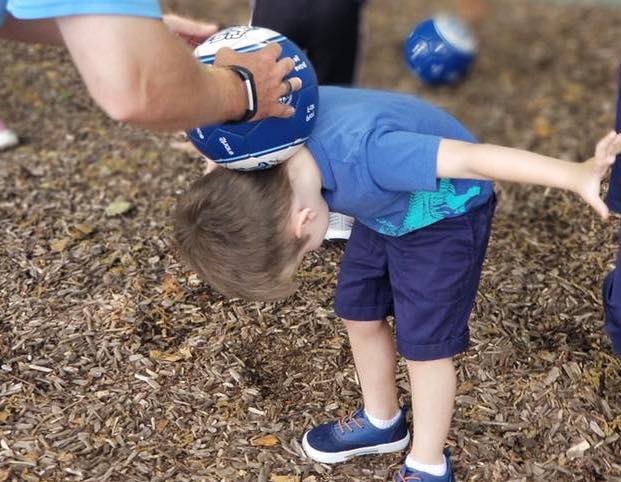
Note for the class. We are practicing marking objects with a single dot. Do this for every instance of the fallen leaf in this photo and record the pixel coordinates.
(182, 354)
(284, 478)
(118, 207)
(82, 230)
(60, 244)
(4, 415)
(161, 425)
(543, 128)
(465, 388)
(265, 441)
(65, 457)
(336, 340)
(170, 286)
(186, 352)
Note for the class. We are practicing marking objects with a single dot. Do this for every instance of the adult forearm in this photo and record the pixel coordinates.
(183, 95)
(141, 73)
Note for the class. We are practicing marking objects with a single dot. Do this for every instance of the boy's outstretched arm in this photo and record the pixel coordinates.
(458, 159)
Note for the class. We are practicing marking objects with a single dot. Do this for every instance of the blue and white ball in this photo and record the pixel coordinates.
(264, 143)
(440, 50)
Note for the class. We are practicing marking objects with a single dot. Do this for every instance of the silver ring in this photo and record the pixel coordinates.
(289, 88)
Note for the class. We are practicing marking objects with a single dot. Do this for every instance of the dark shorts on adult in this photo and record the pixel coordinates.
(326, 29)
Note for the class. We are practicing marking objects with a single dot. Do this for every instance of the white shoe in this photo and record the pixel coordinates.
(8, 139)
(339, 227)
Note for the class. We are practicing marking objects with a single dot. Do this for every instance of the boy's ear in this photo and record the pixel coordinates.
(301, 218)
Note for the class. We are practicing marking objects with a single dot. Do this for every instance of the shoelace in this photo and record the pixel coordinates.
(401, 478)
(346, 420)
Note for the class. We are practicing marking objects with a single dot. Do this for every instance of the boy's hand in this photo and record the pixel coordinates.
(591, 172)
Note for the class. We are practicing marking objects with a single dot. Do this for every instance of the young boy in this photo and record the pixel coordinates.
(418, 186)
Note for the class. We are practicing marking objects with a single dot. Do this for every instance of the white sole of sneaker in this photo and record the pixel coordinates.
(8, 139)
(332, 235)
(336, 457)
(339, 227)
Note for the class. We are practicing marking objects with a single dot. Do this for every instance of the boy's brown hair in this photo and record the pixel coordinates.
(232, 228)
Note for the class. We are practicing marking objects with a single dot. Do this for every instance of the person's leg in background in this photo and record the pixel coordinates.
(328, 30)
(333, 43)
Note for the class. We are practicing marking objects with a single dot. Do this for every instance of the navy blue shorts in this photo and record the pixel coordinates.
(428, 279)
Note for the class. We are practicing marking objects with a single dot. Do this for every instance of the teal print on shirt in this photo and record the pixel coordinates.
(428, 207)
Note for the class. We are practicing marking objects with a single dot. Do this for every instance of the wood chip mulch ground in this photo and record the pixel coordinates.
(116, 364)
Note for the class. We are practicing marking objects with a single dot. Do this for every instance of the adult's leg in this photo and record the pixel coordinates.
(287, 17)
(327, 29)
(334, 39)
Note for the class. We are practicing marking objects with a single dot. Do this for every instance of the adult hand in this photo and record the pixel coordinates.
(268, 73)
(473, 10)
(192, 31)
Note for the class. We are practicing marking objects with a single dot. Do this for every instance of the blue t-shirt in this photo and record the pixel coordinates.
(34, 9)
(377, 152)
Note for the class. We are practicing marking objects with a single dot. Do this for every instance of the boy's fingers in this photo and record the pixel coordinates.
(604, 142)
(600, 207)
(614, 147)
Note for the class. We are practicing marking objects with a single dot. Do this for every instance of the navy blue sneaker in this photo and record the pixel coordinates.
(407, 475)
(353, 435)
